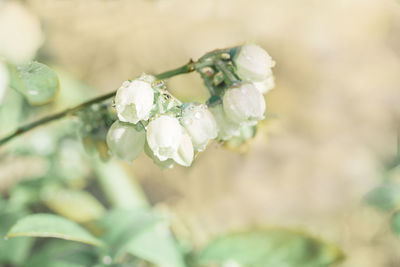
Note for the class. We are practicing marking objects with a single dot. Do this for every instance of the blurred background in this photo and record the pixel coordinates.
(335, 109)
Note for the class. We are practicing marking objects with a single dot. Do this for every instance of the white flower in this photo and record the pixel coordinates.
(226, 128)
(253, 63)
(4, 78)
(126, 141)
(166, 164)
(244, 104)
(200, 125)
(185, 153)
(266, 85)
(20, 33)
(164, 136)
(134, 100)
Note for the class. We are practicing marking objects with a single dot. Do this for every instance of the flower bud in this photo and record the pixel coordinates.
(226, 128)
(253, 63)
(126, 141)
(185, 153)
(164, 136)
(200, 125)
(244, 104)
(134, 100)
(4, 78)
(266, 85)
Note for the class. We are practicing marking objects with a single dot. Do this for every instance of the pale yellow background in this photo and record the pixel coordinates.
(337, 104)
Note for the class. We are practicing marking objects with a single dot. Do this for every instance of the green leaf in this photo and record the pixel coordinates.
(56, 253)
(48, 225)
(121, 225)
(385, 197)
(13, 251)
(269, 247)
(118, 185)
(395, 223)
(36, 81)
(76, 205)
(156, 245)
(143, 234)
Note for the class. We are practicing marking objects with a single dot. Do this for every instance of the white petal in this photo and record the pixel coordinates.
(166, 164)
(134, 101)
(200, 125)
(266, 85)
(126, 141)
(226, 127)
(244, 104)
(164, 136)
(253, 63)
(185, 153)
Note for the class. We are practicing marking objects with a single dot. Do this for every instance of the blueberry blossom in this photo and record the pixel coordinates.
(200, 125)
(244, 104)
(125, 140)
(166, 164)
(226, 127)
(266, 85)
(185, 153)
(253, 63)
(134, 99)
(164, 134)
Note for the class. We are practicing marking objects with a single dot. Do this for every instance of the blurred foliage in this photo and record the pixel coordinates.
(269, 247)
(386, 195)
(104, 212)
(36, 81)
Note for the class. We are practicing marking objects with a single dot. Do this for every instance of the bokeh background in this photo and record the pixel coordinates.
(335, 108)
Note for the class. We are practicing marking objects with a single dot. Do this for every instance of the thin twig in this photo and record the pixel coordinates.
(189, 67)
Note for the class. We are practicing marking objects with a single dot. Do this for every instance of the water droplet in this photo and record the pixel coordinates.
(197, 115)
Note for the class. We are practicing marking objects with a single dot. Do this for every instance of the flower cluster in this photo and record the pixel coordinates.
(151, 119)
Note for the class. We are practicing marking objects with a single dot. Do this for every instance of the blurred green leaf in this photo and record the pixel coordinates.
(36, 81)
(121, 225)
(269, 247)
(13, 251)
(48, 225)
(10, 112)
(157, 245)
(121, 190)
(141, 233)
(76, 205)
(57, 253)
(395, 223)
(385, 197)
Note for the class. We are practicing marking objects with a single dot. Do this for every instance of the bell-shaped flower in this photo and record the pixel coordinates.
(266, 85)
(4, 78)
(226, 127)
(185, 153)
(200, 125)
(244, 104)
(253, 63)
(166, 164)
(125, 140)
(134, 99)
(164, 134)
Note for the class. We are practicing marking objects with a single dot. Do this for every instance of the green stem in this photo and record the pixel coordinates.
(189, 67)
(229, 77)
